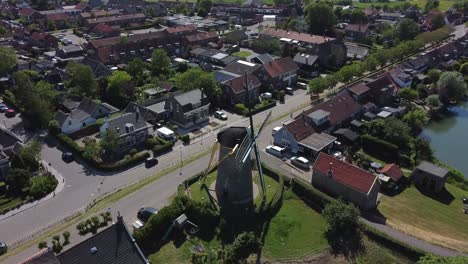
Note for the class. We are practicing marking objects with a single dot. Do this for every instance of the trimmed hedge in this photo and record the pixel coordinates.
(309, 195)
(379, 148)
(162, 146)
(119, 165)
(262, 108)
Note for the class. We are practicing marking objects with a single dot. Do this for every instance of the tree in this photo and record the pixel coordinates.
(451, 86)
(160, 62)
(431, 259)
(391, 129)
(408, 94)
(266, 45)
(82, 80)
(433, 75)
(407, 29)
(7, 59)
(204, 7)
(2, 30)
(433, 101)
(371, 63)
(92, 151)
(464, 68)
(109, 144)
(342, 224)
(320, 17)
(17, 179)
(318, 85)
(244, 245)
(181, 8)
(196, 78)
(430, 5)
(136, 68)
(423, 149)
(416, 119)
(120, 89)
(358, 16)
(28, 157)
(437, 21)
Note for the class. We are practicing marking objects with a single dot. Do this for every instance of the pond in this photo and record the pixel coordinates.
(449, 137)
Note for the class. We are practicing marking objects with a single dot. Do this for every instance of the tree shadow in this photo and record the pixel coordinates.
(348, 244)
(444, 196)
(374, 216)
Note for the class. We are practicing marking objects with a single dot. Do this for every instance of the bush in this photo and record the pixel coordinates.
(202, 214)
(263, 106)
(66, 238)
(54, 127)
(150, 143)
(42, 244)
(70, 144)
(309, 195)
(42, 185)
(132, 152)
(162, 146)
(185, 139)
(240, 109)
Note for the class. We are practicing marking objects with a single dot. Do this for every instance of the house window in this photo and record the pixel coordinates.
(69, 122)
(84, 124)
(285, 142)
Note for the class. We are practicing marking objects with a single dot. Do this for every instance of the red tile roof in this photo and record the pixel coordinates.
(382, 82)
(345, 173)
(103, 28)
(117, 18)
(302, 37)
(178, 29)
(392, 171)
(100, 13)
(300, 128)
(131, 38)
(280, 66)
(358, 89)
(237, 84)
(27, 11)
(341, 107)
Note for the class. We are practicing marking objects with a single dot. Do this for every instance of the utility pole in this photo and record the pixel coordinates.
(180, 160)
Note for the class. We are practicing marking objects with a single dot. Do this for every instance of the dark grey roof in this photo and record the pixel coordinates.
(357, 51)
(305, 59)
(71, 48)
(100, 70)
(60, 116)
(158, 108)
(432, 169)
(265, 58)
(114, 245)
(318, 141)
(85, 109)
(190, 97)
(241, 67)
(198, 51)
(347, 133)
(134, 107)
(222, 76)
(70, 104)
(8, 139)
(119, 123)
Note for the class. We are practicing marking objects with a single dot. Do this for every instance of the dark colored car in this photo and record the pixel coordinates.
(10, 113)
(67, 157)
(150, 162)
(145, 213)
(3, 248)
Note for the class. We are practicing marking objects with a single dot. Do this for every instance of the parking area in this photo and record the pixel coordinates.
(13, 122)
(68, 37)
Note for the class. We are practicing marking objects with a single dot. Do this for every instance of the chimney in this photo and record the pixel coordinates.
(330, 170)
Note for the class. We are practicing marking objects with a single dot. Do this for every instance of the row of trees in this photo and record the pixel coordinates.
(377, 59)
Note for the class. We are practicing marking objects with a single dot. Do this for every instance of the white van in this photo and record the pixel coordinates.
(275, 130)
(301, 162)
(166, 134)
(275, 151)
(301, 85)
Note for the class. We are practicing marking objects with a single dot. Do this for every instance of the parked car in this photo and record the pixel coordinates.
(145, 213)
(3, 248)
(67, 157)
(301, 162)
(289, 90)
(220, 115)
(275, 151)
(3, 108)
(150, 162)
(266, 96)
(10, 113)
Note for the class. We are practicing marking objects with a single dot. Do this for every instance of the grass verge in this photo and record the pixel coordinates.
(440, 221)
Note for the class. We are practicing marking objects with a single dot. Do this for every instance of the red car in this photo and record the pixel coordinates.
(10, 113)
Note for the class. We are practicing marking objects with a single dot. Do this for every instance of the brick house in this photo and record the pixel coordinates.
(118, 20)
(106, 31)
(200, 39)
(356, 32)
(234, 90)
(188, 109)
(280, 73)
(341, 179)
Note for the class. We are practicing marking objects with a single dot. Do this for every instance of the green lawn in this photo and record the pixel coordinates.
(242, 54)
(444, 4)
(295, 231)
(429, 219)
(7, 202)
(375, 253)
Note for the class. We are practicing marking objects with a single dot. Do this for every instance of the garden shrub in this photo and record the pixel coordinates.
(42, 185)
(379, 148)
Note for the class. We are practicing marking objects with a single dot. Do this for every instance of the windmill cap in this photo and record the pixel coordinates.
(232, 136)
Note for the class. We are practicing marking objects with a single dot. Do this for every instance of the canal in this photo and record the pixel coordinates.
(449, 138)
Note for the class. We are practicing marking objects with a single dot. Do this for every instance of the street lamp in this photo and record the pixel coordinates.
(180, 160)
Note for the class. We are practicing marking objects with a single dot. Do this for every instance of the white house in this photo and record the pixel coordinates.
(86, 113)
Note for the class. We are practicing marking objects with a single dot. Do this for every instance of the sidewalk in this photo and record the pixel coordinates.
(59, 188)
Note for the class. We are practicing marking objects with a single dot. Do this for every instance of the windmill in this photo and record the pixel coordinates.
(234, 187)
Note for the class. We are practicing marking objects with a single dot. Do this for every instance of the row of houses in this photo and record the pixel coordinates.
(335, 123)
